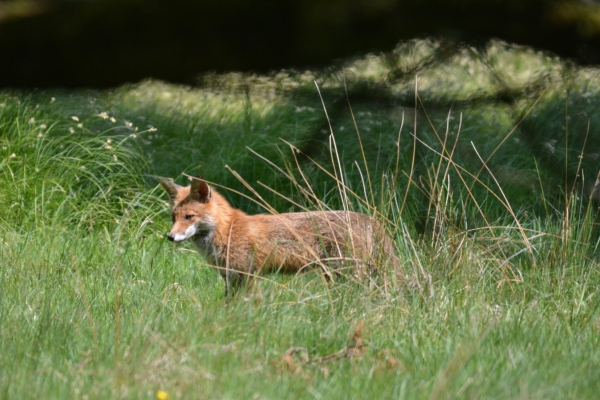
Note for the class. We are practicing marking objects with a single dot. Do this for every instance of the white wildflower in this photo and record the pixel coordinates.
(74, 118)
(112, 119)
(31, 120)
(103, 115)
(71, 129)
(13, 155)
(550, 145)
(128, 124)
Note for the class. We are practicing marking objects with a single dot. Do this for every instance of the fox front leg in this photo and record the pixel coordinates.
(233, 282)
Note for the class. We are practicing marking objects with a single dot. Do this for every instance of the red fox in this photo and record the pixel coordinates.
(240, 245)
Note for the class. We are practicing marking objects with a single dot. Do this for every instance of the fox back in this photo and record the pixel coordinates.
(239, 244)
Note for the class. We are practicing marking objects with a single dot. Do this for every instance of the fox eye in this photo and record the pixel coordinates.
(188, 217)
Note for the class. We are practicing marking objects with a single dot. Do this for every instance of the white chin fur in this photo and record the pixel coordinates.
(189, 232)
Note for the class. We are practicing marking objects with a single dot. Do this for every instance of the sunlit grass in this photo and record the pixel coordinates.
(502, 259)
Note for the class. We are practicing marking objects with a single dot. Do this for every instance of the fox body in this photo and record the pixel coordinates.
(239, 244)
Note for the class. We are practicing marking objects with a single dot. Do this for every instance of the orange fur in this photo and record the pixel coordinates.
(246, 244)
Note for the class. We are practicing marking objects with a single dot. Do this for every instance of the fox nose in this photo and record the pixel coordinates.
(171, 237)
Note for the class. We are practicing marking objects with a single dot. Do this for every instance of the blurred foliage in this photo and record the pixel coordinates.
(108, 42)
(529, 115)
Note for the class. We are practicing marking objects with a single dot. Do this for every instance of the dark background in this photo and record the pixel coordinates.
(104, 43)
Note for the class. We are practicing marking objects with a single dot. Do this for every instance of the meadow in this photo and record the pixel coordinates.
(482, 165)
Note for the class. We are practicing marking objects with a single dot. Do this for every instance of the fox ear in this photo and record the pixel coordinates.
(171, 188)
(200, 191)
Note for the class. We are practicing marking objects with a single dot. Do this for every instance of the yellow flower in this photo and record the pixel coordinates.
(162, 395)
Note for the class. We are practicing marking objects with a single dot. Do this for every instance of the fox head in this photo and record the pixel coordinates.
(190, 208)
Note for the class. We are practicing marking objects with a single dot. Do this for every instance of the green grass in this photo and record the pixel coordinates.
(501, 297)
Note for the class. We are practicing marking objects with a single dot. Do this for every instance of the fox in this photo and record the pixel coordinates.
(241, 245)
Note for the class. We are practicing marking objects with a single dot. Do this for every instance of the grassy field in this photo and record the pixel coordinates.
(482, 166)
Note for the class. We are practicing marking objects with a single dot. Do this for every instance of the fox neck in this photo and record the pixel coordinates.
(213, 243)
(205, 245)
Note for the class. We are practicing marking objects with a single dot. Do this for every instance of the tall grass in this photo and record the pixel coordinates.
(498, 292)
(55, 174)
